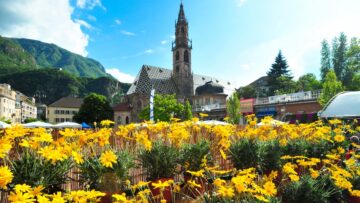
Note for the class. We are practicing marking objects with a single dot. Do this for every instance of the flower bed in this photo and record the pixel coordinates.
(206, 163)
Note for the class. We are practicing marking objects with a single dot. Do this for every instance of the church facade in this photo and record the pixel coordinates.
(179, 80)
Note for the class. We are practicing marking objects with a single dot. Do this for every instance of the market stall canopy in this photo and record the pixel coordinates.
(4, 125)
(343, 105)
(212, 122)
(68, 125)
(271, 123)
(38, 124)
(85, 125)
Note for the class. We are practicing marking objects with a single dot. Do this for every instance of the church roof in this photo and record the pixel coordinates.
(163, 83)
(210, 88)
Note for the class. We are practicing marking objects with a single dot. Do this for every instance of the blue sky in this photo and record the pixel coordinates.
(235, 40)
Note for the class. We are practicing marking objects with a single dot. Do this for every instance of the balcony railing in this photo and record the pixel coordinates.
(209, 107)
(294, 97)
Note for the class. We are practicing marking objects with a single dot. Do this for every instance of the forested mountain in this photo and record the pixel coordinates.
(50, 72)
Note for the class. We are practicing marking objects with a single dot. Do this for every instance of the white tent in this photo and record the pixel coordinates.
(343, 105)
(212, 122)
(68, 125)
(38, 124)
(4, 125)
(271, 123)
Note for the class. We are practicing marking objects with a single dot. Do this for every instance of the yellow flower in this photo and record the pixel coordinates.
(121, 198)
(203, 115)
(6, 177)
(57, 198)
(19, 197)
(261, 198)
(226, 192)
(283, 142)
(77, 157)
(294, 178)
(161, 185)
(223, 154)
(5, 146)
(106, 123)
(355, 193)
(270, 188)
(36, 190)
(219, 182)
(335, 122)
(199, 173)
(193, 184)
(108, 158)
(314, 174)
(22, 188)
(339, 138)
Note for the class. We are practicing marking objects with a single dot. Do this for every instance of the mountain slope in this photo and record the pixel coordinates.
(13, 58)
(61, 84)
(52, 56)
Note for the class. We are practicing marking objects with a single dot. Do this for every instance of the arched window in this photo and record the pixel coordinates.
(186, 56)
(127, 120)
(139, 105)
(177, 56)
(182, 30)
(177, 69)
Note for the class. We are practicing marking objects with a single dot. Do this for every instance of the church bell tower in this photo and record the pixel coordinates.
(181, 48)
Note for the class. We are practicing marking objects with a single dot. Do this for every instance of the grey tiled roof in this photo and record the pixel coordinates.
(68, 102)
(163, 83)
(160, 78)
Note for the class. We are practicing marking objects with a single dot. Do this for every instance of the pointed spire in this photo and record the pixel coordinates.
(181, 17)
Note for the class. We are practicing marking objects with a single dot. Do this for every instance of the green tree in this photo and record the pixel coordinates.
(279, 76)
(352, 69)
(331, 87)
(233, 109)
(95, 108)
(165, 107)
(325, 59)
(308, 82)
(339, 56)
(246, 92)
(29, 120)
(188, 111)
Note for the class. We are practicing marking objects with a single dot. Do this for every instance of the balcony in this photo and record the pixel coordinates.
(285, 98)
(210, 107)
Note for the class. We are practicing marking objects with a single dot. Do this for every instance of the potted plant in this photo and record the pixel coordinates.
(191, 157)
(34, 170)
(107, 179)
(160, 163)
(245, 153)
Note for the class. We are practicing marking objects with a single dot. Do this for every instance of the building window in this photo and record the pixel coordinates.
(57, 120)
(67, 112)
(186, 56)
(62, 119)
(127, 120)
(67, 119)
(62, 112)
(182, 30)
(73, 112)
(177, 57)
(56, 111)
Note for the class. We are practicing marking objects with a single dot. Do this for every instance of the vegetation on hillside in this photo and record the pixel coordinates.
(13, 58)
(49, 85)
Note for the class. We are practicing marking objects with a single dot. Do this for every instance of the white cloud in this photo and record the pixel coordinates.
(149, 51)
(245, 67)
(164, 42)
(92, 18)
(118, 22)
(122, 77)
(47, 21)
(89, 4)
(240, 3)
(84, 23)
(127, 33)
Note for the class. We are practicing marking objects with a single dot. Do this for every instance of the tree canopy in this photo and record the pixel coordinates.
(233, 109)
(331, 87)
(95, 108)
(165, 107)
(279, 76)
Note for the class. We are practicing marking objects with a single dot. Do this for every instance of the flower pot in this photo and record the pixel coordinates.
(352, 199)
(109, 184)
(166, 193)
